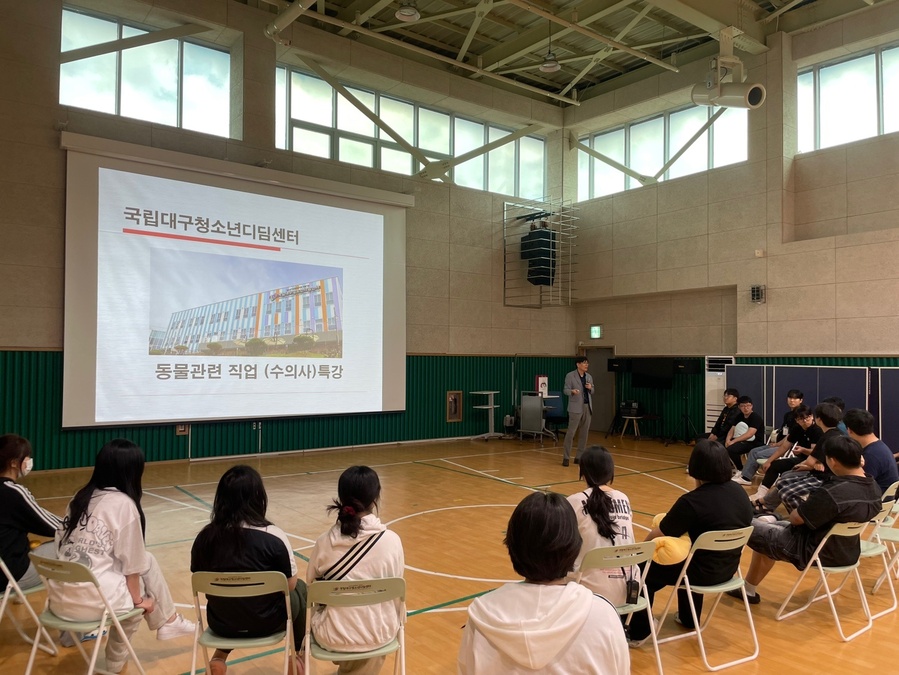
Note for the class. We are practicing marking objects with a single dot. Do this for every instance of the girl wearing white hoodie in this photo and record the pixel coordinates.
(545, 624)
(357, 547)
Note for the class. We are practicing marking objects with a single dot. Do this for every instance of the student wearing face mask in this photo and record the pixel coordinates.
(20, 514)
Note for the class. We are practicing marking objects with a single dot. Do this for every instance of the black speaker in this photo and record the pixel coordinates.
(688, 366)
(619, 365)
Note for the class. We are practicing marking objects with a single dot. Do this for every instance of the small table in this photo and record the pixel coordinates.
(635, 420)
(491, 406)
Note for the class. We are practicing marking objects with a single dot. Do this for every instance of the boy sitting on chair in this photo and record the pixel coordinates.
(848, 496)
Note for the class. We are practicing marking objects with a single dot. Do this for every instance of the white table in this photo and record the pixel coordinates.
(491, 406)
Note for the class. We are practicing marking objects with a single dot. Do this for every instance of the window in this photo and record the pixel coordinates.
(645, 146)
(313, 119)
(844, 101)
(174, 82)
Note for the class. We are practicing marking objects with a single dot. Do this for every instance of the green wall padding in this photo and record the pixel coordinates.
(687, 395)
(31, 405)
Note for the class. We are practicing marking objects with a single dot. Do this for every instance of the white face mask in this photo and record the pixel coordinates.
(26, 466)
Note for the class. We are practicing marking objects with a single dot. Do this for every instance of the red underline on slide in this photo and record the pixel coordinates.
(184, 237)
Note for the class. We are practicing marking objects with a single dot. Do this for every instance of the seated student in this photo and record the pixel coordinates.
(728, 416)
(604, 519)
(104, 529)
(779, 444)
(878, 463)
(544, 625)
(241, 539)
(813, 430)
(795, 484)
(357, 547)
(20, 514)
(847, 497)
(839, 403)
(751, 428)
(716, 503)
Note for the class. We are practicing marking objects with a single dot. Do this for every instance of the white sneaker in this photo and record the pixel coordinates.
(739, 480)
(180, 627)
(767, 519)
(759, 495)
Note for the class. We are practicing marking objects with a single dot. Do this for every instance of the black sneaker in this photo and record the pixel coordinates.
(565, 462)
(737, 594)
(577, 461)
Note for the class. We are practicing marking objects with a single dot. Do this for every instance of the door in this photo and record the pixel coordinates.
(603, 388)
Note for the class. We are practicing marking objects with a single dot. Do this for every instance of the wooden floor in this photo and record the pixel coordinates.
(449, 502)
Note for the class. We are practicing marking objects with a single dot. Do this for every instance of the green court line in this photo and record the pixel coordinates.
(242, 659)
(447, 603)
(475, 475)
(193, 496)
(301, 556)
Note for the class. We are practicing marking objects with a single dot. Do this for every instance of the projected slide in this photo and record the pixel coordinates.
(215, 303)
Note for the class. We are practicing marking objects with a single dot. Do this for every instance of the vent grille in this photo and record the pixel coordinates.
(716, 364)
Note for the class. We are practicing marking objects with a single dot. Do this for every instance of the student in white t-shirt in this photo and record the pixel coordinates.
(104, 530)
(604, 519)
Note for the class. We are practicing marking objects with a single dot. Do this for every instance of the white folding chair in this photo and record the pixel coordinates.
(64, 572)
(885, 534)
(873, 547)
(838, 530)
(13, 591)
(240, 585)
(716, 540)
(356, 594)
(620, 557)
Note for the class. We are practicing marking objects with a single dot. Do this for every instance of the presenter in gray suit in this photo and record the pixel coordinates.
(579, 390)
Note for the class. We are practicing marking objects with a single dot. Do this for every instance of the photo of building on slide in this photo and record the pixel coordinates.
(300, 317)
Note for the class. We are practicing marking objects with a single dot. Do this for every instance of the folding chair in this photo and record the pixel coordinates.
(240, 585)
(873, 547)
(619, 557)
(838, 530)
(356, 594)
(883, 533)
(64, 572)
(716, 540)
(13, 590)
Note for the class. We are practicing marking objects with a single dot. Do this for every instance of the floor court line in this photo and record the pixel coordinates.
(500, 480)
(193, 496)
(679, 487)
(175, 501)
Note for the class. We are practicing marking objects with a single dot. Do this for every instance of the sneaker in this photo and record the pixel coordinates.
(737, 594)
(769, 518)
(577, 461)
(564, 462)
(739, 480)
(678, 621)
(93, 635)
(179, 627)
(635, 644)
(759, 494)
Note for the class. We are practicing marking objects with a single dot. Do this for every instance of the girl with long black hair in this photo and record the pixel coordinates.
(604, 519)
(357, 547)
(104, 529)
(241, 539)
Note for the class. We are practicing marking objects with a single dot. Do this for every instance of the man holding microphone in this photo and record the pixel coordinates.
(579, 390)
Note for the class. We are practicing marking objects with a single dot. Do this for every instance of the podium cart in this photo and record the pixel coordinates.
(490, 406)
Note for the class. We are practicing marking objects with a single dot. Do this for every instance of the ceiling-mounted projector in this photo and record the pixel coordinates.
(735, 93)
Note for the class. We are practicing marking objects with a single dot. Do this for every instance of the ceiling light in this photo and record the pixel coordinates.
(550, 64)
(408, 12)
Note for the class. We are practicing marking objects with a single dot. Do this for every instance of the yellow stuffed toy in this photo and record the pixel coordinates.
(670, 550)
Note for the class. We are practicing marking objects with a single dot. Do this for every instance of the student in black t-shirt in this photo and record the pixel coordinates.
(847, 496)
(741, 439)
(727, 418)
(241, 539)
(717, 503)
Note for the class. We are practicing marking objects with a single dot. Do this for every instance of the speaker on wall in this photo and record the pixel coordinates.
(688, 366)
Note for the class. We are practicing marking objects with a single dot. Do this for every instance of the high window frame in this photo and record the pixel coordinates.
(882, 64)
(186, 48)
(718, 152)
(509, 169)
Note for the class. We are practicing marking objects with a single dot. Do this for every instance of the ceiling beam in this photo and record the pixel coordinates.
(534, 39)
(713, 15)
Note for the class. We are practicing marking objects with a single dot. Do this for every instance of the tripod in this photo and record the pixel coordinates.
(690, 432)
